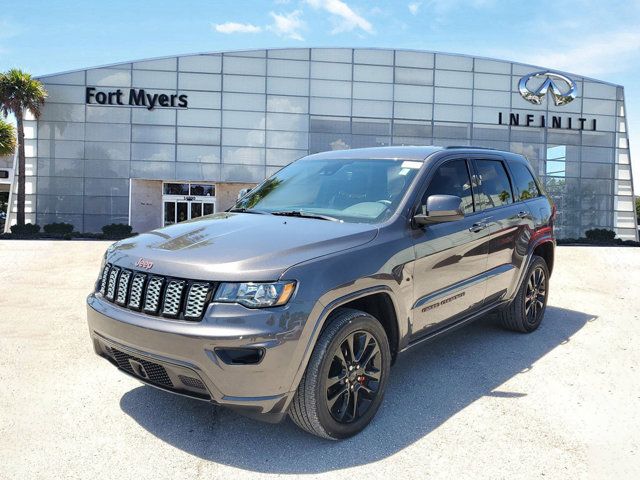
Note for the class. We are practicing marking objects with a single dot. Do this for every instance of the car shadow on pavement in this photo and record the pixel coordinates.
(428, 385)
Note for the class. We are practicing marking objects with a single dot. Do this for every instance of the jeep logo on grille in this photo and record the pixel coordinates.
(143, 263)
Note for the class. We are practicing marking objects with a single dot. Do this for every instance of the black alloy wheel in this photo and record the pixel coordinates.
(526, 311)
(353, 380)
(535, 296)
(345, 379)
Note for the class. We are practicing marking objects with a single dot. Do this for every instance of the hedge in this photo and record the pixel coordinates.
(59, 228)
(115, 231)
(28, 229)
(600, 234)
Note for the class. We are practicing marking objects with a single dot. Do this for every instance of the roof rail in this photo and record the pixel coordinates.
(451, 147)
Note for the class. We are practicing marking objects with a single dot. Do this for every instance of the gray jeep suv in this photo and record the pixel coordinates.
(298, 299)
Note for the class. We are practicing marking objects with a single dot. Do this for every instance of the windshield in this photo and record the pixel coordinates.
(348, 190)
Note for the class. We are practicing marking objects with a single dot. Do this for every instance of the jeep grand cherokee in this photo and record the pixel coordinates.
(298, 299)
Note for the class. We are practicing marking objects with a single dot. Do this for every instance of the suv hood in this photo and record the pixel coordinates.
(238, 246)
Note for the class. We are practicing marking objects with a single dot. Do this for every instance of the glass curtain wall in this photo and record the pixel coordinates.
(252, 112)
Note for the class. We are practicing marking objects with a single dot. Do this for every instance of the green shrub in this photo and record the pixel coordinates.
(567, 241)
(116, 231)
(90, 235)
(28, 229)
(597, 240)
(631, 243)
(58, 228)
(600, 234)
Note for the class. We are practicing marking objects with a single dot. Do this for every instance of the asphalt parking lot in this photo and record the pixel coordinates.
(563, 402)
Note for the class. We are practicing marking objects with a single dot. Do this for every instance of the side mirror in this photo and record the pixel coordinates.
(440, 208)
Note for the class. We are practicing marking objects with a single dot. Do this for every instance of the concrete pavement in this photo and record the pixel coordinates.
(563, 402)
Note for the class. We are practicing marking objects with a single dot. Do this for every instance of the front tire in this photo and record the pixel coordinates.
(346, 377)
(526, 311)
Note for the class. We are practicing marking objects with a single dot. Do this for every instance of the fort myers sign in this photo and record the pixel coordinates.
(137, 97)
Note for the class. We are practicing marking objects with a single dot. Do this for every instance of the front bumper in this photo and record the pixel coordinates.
(180, 356)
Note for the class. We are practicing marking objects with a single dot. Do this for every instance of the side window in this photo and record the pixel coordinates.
(452, 178)
(495, 189)
(523, 182)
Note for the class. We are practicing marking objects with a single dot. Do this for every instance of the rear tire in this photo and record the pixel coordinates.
(526, 311)
(345, 379)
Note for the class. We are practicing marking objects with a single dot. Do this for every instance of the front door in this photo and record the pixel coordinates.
(451, 257)
(184, 201)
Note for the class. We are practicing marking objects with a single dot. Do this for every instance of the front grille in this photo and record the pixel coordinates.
(156, 373)
(123, 287)
(152, 298)
(111, 286)
(104, 279)
(155, 294)
(197, 299)
(137, 290)
(173, 297)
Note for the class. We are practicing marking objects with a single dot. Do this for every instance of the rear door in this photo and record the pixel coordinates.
(510, 225)
(451, 257)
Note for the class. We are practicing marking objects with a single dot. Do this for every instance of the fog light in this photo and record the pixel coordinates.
(240, 356)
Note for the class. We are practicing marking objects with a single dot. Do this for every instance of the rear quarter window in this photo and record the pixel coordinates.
(524, 182)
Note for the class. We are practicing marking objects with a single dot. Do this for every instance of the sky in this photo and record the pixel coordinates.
(600, 39)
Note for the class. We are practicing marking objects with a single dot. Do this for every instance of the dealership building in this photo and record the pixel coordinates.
(159, 141)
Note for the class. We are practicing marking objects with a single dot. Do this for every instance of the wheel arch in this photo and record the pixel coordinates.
(379, 292)
(546, 250)
(379, 305)
(544, 247)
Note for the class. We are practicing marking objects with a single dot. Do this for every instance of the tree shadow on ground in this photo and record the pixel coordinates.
(428, 385)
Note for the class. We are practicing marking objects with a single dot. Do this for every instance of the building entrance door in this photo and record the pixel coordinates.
(185, 201)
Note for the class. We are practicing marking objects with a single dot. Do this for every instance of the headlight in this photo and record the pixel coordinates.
(255, 295)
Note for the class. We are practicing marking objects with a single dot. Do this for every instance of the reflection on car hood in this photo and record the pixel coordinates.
(238, 246)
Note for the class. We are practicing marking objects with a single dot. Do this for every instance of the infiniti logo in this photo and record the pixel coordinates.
(552, 83)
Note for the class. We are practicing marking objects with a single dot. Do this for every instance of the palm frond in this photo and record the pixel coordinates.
(7, 138)
(19, 92)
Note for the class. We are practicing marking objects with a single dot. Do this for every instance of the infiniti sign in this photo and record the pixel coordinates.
(562, 88)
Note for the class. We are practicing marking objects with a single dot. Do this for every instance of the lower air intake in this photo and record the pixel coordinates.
(154, 373)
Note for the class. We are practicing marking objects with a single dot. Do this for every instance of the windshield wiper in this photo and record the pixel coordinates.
(300, 213)
(247, 210)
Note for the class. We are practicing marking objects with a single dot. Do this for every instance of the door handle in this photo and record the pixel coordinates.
(477, 227)
(524, 214)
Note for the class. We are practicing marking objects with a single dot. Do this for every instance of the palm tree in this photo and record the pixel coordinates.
(7, 138)
(20, 92)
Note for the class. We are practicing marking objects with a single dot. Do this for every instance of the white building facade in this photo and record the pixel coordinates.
(159, 141)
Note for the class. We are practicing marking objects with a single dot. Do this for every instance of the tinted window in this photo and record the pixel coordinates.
(203, 190)
(452, 178)
(176, 189)
(495, 189)
(523, 181)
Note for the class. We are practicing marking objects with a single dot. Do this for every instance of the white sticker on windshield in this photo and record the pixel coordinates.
(403, 171)
(412, 165)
